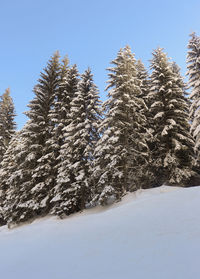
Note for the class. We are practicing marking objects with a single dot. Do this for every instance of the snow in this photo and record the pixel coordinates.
(150, 234)
(159, 115)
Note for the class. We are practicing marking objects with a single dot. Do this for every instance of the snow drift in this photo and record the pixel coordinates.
(150, 234)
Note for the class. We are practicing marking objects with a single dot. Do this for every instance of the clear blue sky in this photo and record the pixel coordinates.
(91, 32)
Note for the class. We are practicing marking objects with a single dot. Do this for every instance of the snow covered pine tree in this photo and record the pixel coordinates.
(59, 115)
(193, 61)
(33, 174)
(72, 190)
(11, 172)
(122, 151)
(67, 90)
(173, 146)
(7, 123)
(142, 74)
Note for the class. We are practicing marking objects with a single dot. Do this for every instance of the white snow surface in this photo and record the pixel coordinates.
(150, 234)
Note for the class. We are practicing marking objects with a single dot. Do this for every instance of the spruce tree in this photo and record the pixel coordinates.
(7, 123)
(193, 61)
(143, 76)
(12, 171)
(67, 91)
(80, 135)
(121, 152)
(33, 175)
(59, 112)
(173, 144)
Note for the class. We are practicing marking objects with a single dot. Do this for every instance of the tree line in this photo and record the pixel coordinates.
(76, 152)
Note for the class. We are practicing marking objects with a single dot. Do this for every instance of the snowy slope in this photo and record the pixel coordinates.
(150, 234)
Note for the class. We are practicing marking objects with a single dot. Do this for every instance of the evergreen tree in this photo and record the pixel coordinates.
(11, 172)
(80, 135)
(122, 151)
(60, 114)
(68, 88)
(193, 61)
(33, 175)
(173, 144)
(143, 76)
(7, 123)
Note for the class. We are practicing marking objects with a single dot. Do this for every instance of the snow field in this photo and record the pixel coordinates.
(150, 234)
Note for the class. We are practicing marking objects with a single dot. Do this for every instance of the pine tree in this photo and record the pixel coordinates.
(33, 175)
(68, 88)
(143, 76)
(11, 172)
(173, 144)
(7, 123)
(60, 114)
(72, 190)
(122, 151)
(193, 61)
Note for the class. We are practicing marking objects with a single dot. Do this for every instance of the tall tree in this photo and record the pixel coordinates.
(122, 151)
(59, 113)
(67, 91)
(80, 135)
(7, 123)
(143, 76)
(32, 188)
(173, 145)
(12, 172)
(193, 61)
